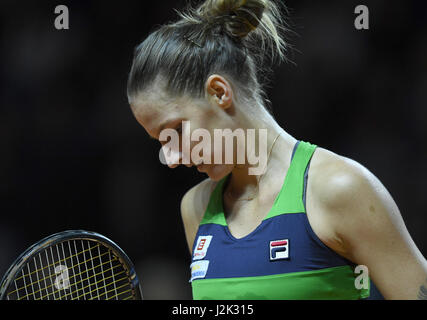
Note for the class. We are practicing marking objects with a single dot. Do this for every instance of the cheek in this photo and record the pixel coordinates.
(216, 149)
(206, 149)
(204, 143)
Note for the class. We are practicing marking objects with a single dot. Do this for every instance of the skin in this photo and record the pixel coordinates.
(347, 206)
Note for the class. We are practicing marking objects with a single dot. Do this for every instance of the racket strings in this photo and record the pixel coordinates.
(53, 264)
(73, 270)
(52, 276)
(75, 284)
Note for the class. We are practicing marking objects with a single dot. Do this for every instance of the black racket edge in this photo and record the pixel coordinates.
(53, 239)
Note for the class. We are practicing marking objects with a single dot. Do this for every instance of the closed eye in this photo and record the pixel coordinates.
(175, 124)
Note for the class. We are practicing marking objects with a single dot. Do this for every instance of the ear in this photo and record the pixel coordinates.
(220, 91)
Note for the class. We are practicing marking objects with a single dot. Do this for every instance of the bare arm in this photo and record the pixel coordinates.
(368, 229)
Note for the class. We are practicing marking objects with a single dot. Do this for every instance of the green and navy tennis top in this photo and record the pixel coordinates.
(281, 259)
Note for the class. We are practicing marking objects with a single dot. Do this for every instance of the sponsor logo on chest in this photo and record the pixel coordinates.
(199, 269)
(279, 249)
(201, 247)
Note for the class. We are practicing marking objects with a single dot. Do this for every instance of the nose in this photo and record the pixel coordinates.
(171, 157)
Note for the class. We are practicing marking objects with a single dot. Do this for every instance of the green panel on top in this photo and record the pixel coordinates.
(214, 212)
(289, 199)
(336, 283)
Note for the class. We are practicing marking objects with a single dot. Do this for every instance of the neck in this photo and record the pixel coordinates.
(242, 184)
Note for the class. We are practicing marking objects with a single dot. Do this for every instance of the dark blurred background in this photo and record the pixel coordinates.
(73, 156)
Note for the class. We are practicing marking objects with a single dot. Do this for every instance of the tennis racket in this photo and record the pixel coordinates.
(72, 265)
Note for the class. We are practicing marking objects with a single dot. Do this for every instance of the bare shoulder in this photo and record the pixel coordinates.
(195, 200)
(342, 193)
(193, 206)
(336, 179)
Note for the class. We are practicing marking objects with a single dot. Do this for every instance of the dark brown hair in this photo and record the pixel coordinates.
(238, 39)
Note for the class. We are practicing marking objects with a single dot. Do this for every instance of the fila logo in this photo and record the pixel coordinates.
(279, 249)
(201, 247)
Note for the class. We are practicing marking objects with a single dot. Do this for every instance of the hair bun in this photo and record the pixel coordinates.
(239, 17)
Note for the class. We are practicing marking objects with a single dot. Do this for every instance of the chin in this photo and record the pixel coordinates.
(217, 172)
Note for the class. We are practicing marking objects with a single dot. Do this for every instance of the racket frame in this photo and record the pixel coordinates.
(59, 237)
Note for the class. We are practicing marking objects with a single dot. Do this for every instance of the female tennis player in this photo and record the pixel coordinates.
(313, 224)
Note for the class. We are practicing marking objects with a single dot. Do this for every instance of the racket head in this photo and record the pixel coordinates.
(72, 265)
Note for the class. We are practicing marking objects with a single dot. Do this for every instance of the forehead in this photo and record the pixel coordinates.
(153, 108)
(149, 113)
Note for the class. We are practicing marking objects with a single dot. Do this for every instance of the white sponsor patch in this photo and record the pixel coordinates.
(199, 269)
(201, 247)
